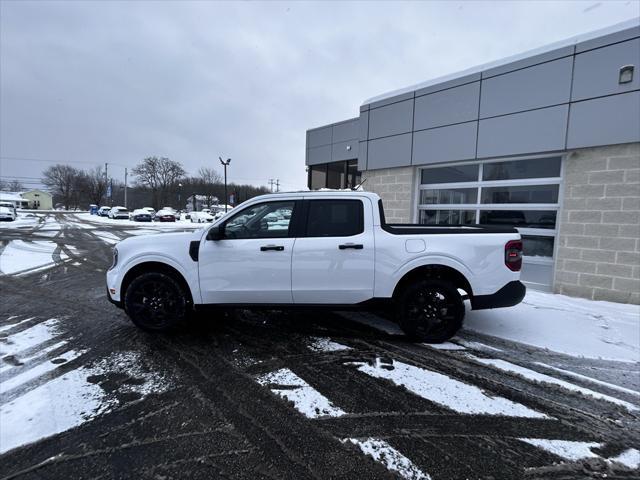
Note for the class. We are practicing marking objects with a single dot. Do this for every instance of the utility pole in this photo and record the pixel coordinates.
(277, 184)
(226, 197)
(125, 187)
(271, 184)
(111, 191)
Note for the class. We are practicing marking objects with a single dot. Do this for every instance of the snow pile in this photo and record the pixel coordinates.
(574, 326)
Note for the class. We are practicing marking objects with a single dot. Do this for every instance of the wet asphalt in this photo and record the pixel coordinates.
(215, 420)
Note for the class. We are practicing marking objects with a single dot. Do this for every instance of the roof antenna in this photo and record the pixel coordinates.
(358, 185)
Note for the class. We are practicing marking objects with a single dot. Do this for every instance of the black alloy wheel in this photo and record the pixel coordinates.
(430, 311)
(156, 302)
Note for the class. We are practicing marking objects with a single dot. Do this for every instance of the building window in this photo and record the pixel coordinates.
(519, 193)
(336, 175)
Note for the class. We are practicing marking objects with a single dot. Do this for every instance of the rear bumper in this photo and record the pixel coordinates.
(508, 296)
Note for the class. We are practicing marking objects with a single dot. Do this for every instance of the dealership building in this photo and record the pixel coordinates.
(548, 141)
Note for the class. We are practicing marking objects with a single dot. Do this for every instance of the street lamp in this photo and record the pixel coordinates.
(225, 164)
(179, 195)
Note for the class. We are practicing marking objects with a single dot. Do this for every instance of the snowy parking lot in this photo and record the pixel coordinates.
(547, 389)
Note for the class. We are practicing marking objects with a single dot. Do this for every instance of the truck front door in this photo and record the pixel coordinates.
(251, 262)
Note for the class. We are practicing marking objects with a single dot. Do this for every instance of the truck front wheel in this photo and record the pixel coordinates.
(155, 302)
(430, 311)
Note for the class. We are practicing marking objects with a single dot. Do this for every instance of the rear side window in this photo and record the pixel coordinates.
(335, 218)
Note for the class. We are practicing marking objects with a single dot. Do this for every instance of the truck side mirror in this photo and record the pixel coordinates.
(216, 233)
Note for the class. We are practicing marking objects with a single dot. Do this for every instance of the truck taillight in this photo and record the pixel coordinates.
(513, 255)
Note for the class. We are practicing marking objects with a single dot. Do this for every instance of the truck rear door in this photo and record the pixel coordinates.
(333, 261)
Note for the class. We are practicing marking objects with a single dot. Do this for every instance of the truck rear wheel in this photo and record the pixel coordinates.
(155, 302)
(430, 311)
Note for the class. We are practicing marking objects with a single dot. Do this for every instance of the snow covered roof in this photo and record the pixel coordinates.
(514, 58)
(11, 197)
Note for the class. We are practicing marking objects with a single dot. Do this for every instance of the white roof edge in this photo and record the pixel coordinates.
(583, 37)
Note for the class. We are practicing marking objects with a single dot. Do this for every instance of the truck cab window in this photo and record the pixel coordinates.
(335, 218)
(265, 220)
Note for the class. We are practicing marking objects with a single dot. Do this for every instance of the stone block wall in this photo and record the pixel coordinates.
(395, 187)
(598, 255)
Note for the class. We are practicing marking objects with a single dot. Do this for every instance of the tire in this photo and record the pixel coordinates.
(156, 302)
(430, 311)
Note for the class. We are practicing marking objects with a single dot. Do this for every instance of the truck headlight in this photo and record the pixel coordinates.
(115, 259)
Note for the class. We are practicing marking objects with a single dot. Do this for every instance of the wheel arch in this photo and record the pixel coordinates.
(156, 267)
(438, 271)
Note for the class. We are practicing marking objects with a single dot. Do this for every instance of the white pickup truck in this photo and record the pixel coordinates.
(310, 249)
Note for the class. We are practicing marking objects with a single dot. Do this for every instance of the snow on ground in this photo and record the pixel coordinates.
(24, 220)
(306, 399)
(19, 255)
(35, 403)
(574, 451)
(542, 378)
(391, 458)
(446, 391)
(321, 344)
(107, 237)
(574, 326)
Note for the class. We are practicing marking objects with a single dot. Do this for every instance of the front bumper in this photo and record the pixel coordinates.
(508, 296)
(115, 302)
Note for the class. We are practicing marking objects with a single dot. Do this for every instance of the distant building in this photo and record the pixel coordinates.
(200, 202)
(14, 198)
(38, 200)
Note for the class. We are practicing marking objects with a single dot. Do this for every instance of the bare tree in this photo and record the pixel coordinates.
(15, 186)
(96, 185)
(160, 175)
(61, 180)
(210, 179)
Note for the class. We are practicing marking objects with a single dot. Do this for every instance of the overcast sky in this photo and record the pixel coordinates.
(94, 82)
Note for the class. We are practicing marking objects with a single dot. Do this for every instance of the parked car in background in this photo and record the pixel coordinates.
(7, 214)
(119, 213)
(165, 216)
(151, 210)
(11, 207)
(104, 211)
(201, 217)
(141, 215)
(172, 210)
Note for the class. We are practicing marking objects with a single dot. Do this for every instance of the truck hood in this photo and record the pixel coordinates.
(158, 242)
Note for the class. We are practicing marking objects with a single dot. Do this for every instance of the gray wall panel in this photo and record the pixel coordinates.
(364, 125)
(603, 40)
(394, 99)
(456, 82)
(529, 132)
(318, 155)
(345, 150)
(454, 105)
(389, 152)
(529, 61)
(391, 119)
(319, 136)
(445, 144)
(596, 72)
(602, 121)
(533, 87)
(345, 131)
(362, 156)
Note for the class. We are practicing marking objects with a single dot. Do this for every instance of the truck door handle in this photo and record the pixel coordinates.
(355, 246)
(277, 248)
